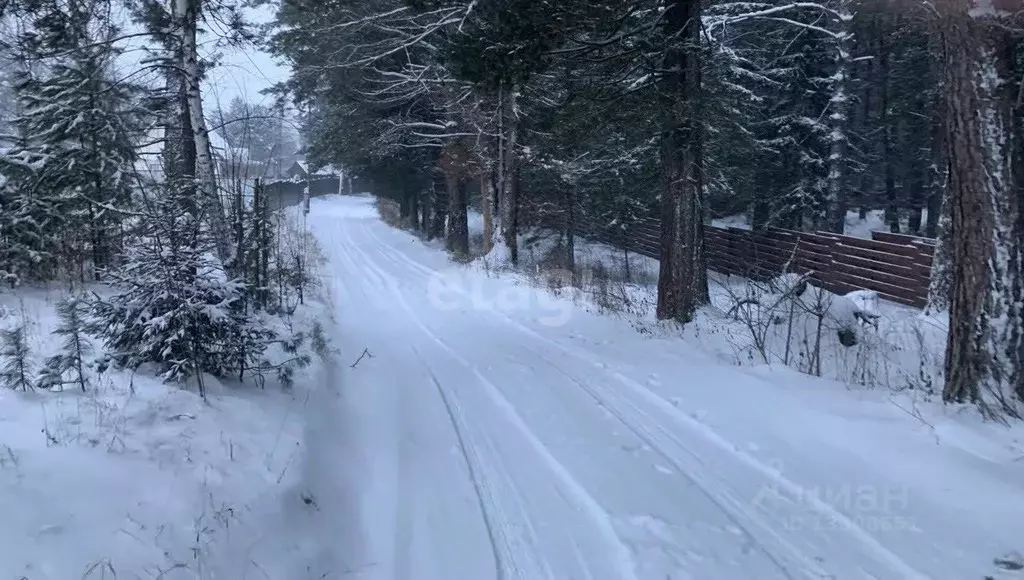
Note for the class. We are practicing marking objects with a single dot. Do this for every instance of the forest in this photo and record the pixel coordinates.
(111, 188)
(797, 114)
(434, 289)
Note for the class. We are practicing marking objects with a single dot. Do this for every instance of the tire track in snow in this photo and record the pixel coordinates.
(472, 461)
(734, 509)
(344, 252)
(507, 562)
(347, 252)
(623, 558)
(782, 483)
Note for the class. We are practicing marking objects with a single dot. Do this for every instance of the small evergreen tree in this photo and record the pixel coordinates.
(16, 367)
(68, 366)
(174, 301)
(176, 306)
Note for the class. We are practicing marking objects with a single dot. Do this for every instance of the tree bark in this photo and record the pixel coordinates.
(204, 172)
(508, 170)
(569, 228)
(682, 279)
(937, 177)
(487, 205)
(983, 351)
(439, 204)
(892, 208)
(835, 218)
(457, 237)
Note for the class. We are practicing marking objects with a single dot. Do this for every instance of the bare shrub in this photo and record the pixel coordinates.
(389, 211)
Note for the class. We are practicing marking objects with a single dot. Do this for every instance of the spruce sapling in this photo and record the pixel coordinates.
(68, 366)
(16, 368)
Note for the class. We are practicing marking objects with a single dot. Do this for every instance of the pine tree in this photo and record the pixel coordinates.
(29, 219)
(985, 346)
(175, 304)
(15, 361)
(68, 366)
(71, 168)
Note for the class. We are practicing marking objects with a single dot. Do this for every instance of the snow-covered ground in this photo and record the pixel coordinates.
(477, 426)
(505, 432)
(902, 350)
(139, 479)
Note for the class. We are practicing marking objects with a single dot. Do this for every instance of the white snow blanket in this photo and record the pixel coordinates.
(505, 433)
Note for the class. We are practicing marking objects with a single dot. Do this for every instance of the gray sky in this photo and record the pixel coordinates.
(244, 73)
(241, 73)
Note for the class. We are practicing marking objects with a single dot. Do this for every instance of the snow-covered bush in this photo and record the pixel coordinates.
(174, 305)
(855, 338)
(787, 319)
(297, 259)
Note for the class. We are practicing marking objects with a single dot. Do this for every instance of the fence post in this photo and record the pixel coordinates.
(923, 268)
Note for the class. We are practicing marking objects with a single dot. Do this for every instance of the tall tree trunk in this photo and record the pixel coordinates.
(440, 206)
(508, 169)
(179, 153)
(189, 11)
(457, 236)
(512, 218)
(487, 205)
(983, 352)
(404, 207)
(868, 197)
(569, 229)
(426, 205)
(682, 280)
(892, 208)
(938, 173)
(413, 193)
(839, 105)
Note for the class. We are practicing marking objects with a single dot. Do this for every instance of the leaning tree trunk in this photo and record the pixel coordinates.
(983, 352)
(682, 280)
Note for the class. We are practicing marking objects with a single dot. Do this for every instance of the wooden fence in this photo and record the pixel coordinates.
(285, 193)
(897, 266)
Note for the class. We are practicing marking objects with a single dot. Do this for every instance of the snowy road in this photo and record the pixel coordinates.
(498, 444)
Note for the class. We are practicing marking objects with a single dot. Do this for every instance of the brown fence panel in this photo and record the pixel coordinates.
(897, 266)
